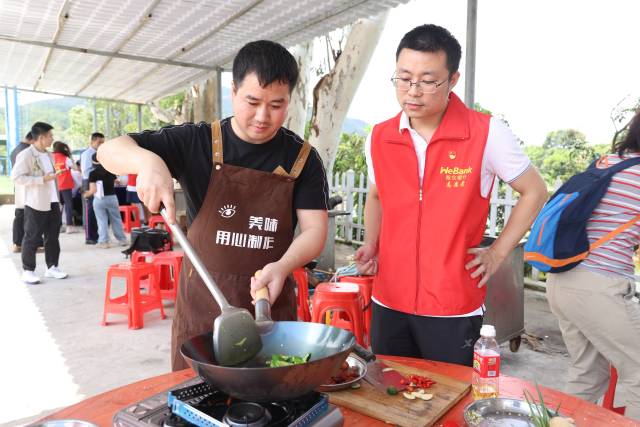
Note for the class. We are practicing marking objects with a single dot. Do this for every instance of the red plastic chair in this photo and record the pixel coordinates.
(156, 220)
(365, 283)
(341, 297)
(132, 303)
(169, 263)
(609, 396)
(302, 282)
(130, 217)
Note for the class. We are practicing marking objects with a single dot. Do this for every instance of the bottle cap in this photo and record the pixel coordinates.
(488, 331)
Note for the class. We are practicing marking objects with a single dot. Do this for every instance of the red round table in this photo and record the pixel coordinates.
(101, 408)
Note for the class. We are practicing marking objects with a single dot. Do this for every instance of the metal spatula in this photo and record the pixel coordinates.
(235, 334)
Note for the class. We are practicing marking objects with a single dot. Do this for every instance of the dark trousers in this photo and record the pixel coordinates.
(67, 201)
(89, 218)
(37, 223)
(18, 228)
(443, 339)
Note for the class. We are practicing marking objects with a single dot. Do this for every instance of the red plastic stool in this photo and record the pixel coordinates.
(340, 297)
(158, 220)
(130, 217)
(365, 283)
(132, 303)
(302, 282)
(170, 263)
(610, 395)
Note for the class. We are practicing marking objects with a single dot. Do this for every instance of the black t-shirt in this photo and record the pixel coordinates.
(186, 149)
(99, 173)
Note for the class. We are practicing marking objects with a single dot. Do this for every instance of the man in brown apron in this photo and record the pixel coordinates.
(247, 182)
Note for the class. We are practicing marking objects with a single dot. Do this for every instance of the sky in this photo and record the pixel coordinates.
(544, 65)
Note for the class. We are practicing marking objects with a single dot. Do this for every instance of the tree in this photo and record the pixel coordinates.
(333, 93)
(350, 154)
(564, 153)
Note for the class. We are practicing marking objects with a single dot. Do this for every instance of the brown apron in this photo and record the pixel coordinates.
(244, 223)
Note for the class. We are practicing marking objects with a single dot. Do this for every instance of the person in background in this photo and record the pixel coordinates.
(105, 205)
(64, 164)
(86, 165)
(430, 171)
(18, 220)
(35, 171)
(595, 302)
(132, 196)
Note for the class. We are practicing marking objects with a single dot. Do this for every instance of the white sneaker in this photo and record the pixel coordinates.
(70, 229)
(55, 273)
(30, 277)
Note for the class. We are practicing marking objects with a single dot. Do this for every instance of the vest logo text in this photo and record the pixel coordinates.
(455, 177)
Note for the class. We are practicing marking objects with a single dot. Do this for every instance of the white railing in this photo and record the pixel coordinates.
(353, 190)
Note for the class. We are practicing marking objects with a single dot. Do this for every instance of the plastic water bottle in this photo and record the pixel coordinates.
(486, 364)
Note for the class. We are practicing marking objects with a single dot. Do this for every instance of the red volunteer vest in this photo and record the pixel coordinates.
(65, 180)
(425, 234)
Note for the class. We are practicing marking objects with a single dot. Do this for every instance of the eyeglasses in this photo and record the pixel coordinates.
(423, 86)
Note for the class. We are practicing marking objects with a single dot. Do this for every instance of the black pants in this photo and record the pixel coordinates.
(37, 223)
(18, 228)
(443, 339)
(89, 218)
(67, 201)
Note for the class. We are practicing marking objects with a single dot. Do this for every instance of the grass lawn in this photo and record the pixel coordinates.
(6, 186)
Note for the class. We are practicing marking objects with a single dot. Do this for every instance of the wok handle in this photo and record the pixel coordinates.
(364, 353)
(195, 260)
(263, 306)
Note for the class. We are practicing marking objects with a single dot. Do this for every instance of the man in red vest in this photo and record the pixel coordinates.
(431, 169)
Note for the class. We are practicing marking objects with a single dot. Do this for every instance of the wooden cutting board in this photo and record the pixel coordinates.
(398, 410)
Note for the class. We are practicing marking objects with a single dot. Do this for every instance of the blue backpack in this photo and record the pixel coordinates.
(558, 240)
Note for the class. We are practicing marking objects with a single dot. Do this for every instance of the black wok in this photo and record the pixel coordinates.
(255, 381)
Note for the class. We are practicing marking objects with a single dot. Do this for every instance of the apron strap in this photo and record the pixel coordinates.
(298, 165)
(216, 142)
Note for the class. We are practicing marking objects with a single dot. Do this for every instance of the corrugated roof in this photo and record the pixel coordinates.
(140, 50)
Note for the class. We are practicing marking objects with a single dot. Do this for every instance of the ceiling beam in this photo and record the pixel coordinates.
(108, 54)
(197, 42)
(146, 17)
(353, 4)
(93, 98)
(62, 18)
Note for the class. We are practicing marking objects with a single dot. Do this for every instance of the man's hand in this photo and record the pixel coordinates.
(154, 186)
(366, 259)
(487, 260)
(273, 276)
(49, 177)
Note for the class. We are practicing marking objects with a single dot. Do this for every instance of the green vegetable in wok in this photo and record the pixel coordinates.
(278, 360)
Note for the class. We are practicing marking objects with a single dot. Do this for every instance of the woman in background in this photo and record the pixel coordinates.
(595, 302)
(64, 164)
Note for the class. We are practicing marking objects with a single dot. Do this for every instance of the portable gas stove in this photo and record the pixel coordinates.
(195, 402)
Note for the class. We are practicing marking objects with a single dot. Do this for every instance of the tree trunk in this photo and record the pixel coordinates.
(204, 101)
(297, 117)
(333, 94)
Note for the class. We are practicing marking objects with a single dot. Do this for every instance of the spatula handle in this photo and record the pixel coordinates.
(195, 260)
(263, 306)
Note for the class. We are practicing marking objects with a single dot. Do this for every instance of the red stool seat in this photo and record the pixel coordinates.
(302, 282)
(610, 395)
(130, 217)
(341, 297)
(132, 303)
(365, 283)
(156, 220)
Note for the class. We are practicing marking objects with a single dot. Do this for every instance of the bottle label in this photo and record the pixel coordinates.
(486, 366)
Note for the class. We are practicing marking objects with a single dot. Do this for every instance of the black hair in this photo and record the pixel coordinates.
(28, 136)
(631, 141)
(40, 128)
(62, 148)
(433, 38)
(269, 60)
(96, 135)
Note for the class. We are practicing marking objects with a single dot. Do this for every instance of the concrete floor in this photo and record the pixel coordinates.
(52, 337)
